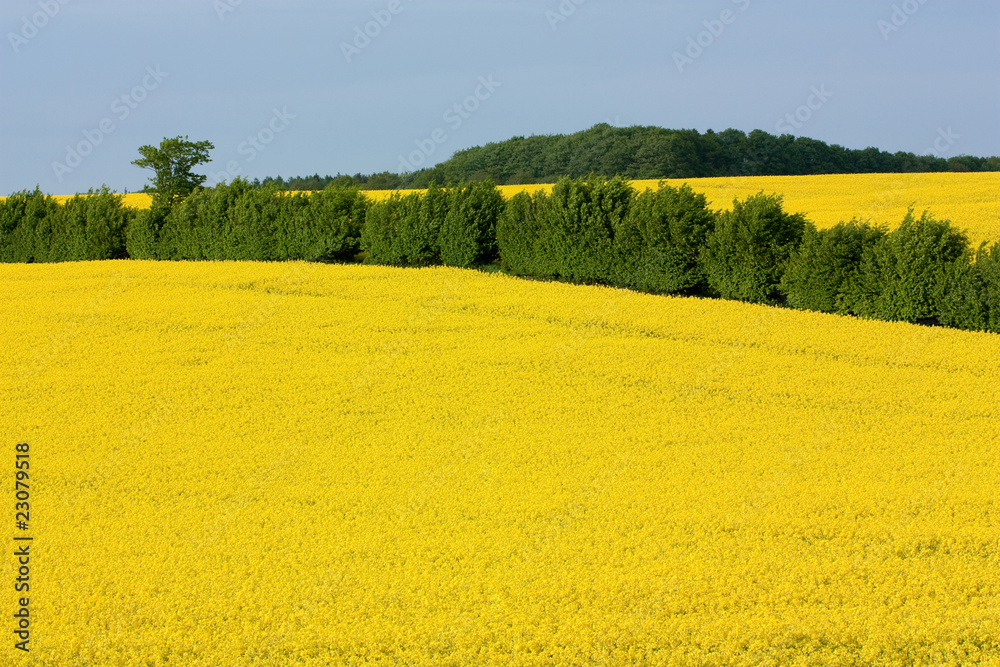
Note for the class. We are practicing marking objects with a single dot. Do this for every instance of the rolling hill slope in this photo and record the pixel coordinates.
(239, 463)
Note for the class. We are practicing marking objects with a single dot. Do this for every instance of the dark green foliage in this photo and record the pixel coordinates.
(90, 227)
(823, 272)
(904, 276)
(419, 239)
(747, 253)
(972, 297)
(468, 232)
(653, 152)
(107, 220)
(199, 227)
(381, 181)
(569, 233)
(254, 225)
(585, 216)
(34, 228)
(331, 228)
(406, 231)
(238, 221)
(20, 216)
(519, 233)
(661, 239)
(988, 266)
(383, 224)
(142, 235)
(379, 229)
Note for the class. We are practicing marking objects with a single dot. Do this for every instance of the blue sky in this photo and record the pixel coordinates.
(302, 86)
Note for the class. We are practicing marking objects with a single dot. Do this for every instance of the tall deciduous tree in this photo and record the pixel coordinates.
(173, 162)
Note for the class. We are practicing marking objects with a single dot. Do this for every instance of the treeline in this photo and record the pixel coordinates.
(381, 181)
(648, 153)
(594, 231)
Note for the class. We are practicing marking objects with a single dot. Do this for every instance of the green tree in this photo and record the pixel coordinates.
(172, 162)
(21, 216)
(824, 270)
(972, 298)
(468, 233)
(335, 217)
(520, 230)
(903, 277)
(418, 231)
(385, 223)
(580, 222)
(747, 253)
(661, 238)
(87, 227)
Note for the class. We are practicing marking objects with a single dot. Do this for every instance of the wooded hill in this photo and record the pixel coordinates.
(649, 152)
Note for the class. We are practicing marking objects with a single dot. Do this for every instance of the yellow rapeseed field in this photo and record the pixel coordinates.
(299, 464)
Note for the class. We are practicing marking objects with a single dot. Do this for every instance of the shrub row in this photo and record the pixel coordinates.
(911, 274)
(455, 227)
(34, 228)
(595, 230)
(667, 241)
(237, 221)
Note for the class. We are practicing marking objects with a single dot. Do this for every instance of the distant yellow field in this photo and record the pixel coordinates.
(133, 199)
(307, 464)
(970, 201)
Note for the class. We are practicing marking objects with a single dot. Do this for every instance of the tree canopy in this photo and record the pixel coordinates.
(172, 163)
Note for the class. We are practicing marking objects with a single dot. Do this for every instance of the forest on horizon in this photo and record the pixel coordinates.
(640, 152)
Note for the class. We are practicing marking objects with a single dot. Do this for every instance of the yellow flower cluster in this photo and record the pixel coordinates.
(298, 464)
